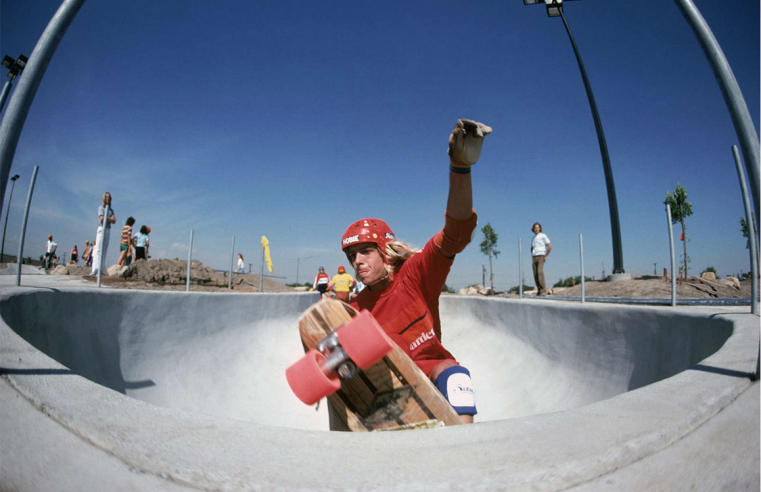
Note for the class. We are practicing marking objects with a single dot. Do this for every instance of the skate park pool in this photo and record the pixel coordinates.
(190, 387)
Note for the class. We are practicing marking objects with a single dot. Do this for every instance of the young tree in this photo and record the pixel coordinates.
(746, 232)
(488, 246)
(680, 208)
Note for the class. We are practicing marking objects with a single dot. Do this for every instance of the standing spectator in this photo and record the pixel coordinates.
(358, 286)
(540, 249)
(50, 248)
(241, 265)
(342, 284)
(74, 255)
(321, 282)
(87, 254)
(142, 242)
(125, 243)
(98, 257)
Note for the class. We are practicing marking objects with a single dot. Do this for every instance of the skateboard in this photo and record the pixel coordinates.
(370, 383)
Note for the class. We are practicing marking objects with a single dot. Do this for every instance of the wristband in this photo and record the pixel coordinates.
(458, 168)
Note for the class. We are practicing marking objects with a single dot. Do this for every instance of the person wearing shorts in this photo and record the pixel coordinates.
(403, 284)
(321, 282)
(125, 242)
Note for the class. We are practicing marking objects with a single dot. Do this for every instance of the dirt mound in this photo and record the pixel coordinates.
(654, 286)
(174, 272)
(172, 275)
(69, 270)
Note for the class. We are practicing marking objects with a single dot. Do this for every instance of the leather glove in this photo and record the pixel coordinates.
(465, 144)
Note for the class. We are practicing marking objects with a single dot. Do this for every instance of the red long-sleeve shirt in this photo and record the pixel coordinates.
(408, 309)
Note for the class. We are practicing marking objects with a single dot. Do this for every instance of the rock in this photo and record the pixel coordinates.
(708, 276)
(486, 291)
(731, 282)
(470, 291)
(476, 290)
(117, 271)
(59, 270)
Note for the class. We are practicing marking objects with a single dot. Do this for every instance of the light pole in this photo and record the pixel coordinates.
(298, 260)
(733, 97)
(18, 109)
(15, 67)
(7, 212)
(555, 9)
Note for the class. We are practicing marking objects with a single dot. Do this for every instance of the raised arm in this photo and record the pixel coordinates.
(465, 144)
(464, 150)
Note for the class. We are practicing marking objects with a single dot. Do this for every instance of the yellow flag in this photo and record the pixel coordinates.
(266, 245)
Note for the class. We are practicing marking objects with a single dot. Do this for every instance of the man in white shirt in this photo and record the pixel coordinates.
(49, 252)
(540, 249)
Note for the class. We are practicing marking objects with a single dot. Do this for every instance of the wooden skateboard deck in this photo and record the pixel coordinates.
(393, 393)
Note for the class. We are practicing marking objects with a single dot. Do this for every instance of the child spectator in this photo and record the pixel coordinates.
(142, 242)
(125, 244)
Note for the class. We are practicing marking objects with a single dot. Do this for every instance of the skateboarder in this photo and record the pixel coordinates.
(403, 284)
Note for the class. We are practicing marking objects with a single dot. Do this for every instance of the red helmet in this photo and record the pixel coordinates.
(341, 269)
(368, 231)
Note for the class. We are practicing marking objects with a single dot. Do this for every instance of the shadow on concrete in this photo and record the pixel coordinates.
(724, 372)
(37, 372)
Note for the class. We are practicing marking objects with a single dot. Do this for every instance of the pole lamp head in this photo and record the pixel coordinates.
(15, 67)
(554, 7)
(15, 177)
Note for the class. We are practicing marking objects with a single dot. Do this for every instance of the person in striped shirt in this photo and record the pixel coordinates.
(125, 244)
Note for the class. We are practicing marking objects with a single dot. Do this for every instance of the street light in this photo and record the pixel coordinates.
(298, 260)
(15, 67)
(7, 212)
(555, 9)
(553, 6)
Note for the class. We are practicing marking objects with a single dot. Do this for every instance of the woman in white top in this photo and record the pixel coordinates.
(241, 268)
(540, 249)
(102, 245)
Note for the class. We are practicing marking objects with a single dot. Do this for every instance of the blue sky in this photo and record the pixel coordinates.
(291, 120)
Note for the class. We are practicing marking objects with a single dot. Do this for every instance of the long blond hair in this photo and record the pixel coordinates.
(397, 252)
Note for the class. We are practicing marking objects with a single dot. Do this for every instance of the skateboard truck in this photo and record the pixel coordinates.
(336, 358)
(358, 344)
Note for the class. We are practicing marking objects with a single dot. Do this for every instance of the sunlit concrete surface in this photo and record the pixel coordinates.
(168, 390)
(12, 268)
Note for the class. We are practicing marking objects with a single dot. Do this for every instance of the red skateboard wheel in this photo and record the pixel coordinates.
(363, 340)
(308, 382)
